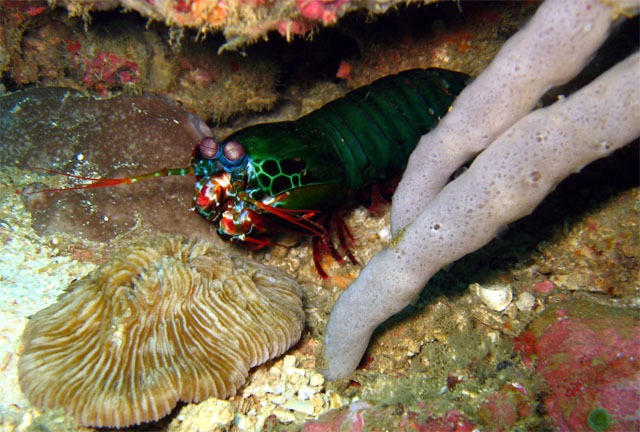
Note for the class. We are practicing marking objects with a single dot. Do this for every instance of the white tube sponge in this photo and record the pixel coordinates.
(551, 49)
(504, 183)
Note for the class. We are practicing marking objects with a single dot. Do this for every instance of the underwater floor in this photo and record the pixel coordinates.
(539, 330)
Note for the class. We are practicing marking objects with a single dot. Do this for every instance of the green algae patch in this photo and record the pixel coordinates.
(599, 420)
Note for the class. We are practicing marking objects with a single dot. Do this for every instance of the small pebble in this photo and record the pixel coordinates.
(34, 200)
(525, 302)
(316, 380)
(385, 233)
(305, 393)
(295, 404)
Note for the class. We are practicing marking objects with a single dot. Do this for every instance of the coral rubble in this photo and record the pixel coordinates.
(162, 321)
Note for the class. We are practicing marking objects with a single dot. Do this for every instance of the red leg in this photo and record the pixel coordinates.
(317, 254)
(343, 232)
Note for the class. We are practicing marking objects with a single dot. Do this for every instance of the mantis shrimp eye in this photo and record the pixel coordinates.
(232, 154)
(209, 148)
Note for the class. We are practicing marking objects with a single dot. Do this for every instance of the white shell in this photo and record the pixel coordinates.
(525, 302)
(496, 297)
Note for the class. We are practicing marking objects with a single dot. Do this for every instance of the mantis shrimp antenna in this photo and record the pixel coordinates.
(104, 182)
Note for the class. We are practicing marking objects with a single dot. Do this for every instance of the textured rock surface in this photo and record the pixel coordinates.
(240, 21)
(60, 129)
(119, 53)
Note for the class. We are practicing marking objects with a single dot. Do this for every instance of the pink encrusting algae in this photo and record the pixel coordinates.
(588, 355)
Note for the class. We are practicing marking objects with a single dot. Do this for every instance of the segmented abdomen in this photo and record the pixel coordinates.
(358, 139)
(375, 128)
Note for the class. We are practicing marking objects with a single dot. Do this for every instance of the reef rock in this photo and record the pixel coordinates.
(241, 22)
(60, 129)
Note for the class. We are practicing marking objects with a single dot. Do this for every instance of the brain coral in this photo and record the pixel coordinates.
(162, 321)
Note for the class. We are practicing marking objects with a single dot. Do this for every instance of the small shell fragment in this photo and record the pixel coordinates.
(496, 297)
(525, 302)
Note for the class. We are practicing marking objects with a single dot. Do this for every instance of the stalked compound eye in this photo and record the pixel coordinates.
(209, 148)
(232, 154)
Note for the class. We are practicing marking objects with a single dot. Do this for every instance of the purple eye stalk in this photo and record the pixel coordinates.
(231, 155)
(210, 148)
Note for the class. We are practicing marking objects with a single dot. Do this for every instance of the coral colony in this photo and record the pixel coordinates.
(161, 321)
(524, 156)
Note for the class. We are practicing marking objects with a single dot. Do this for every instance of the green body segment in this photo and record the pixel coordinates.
(354, 141)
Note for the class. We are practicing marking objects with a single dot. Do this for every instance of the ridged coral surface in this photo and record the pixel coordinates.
(164, 320)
